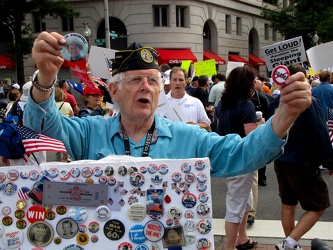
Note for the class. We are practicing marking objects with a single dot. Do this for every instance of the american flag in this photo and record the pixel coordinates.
(108, 64)
(330, 123)
(34, 142)
(23, 193)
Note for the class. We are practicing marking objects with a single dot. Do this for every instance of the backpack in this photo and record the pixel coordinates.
(15, 113)
(11, 145)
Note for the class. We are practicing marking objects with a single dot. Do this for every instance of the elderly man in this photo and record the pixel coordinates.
(137, 131)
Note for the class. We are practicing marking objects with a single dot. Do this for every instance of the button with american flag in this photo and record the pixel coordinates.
(13, 174)
(23, 193)
(2, 177)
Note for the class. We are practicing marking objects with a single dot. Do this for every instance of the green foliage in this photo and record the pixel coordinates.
(13, 14)
(302, 18)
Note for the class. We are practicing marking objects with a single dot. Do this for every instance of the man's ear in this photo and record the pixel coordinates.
(114, 91)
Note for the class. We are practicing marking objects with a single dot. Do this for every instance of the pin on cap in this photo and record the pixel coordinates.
(280, 74)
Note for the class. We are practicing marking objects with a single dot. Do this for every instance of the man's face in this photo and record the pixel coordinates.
(74, 50)
(66, 227)
(258, 85)
(178, 84)
(136, 102)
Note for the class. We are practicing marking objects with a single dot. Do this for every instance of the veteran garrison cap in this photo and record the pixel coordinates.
(135, 57)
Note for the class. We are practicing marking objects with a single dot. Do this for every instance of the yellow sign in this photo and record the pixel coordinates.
(207, 67)
(186, 65)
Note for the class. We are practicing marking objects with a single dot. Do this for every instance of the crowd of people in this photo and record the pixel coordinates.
(221, 123)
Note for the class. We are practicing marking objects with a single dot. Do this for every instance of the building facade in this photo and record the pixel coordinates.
(226, 30)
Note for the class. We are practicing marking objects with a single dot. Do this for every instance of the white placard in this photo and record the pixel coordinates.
(321, 56)
(98, 63)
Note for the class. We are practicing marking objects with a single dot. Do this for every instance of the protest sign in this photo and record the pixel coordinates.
(284, 53)
(321, 56)
(99, 61)
(207, 67)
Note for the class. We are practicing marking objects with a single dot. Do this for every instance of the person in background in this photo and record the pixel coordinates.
(135, 88)
(13, 96)
(194, 85)
(166, 81)
(236, 115)
(297, 170)
(265, 87)
(64, 107)
(2, 91)
(63, 84)
(163, 68)
(215, 96)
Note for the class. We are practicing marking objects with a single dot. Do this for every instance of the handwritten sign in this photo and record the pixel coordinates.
(207, 67)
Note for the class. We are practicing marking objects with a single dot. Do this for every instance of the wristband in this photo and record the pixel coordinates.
(38, 87)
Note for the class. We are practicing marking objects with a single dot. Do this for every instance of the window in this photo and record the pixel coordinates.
(266, 31)
(39, 22)
(182, 16)
(274, 34)
(67, 23)
(228, 24)
(161, 14)
(273, 2)
(239, 26)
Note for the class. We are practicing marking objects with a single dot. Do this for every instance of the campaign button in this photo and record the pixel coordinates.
(50, 215)
(136, 212)
(132, 199)
(137, 179)
(132, 170)
(189, 200)
(57, 240)
(203, 210)
(82, 238)
(12, 238)
(190, 225)
(280, 74)
(40, 234)
(73, 247)
(203, 197)
(102, 179)
(33, 175)
(19, 213)
(114, 229)
(108, 171)
(154, 230)
(112, 181)
(190, 237)
(122, 170)
(103, 213)
(93, 227)
(202, 177)
(152, 168)
(190, 177)
(203, 244)
(9, 187)
(53, 172)
(2, 177)
(189, 214)
(136, 234)
(94, 238)
(174, 213)
(142, 247)
(155, 246)
(64, 174)
(6, 210)
(204, 226)
(7, 220)
(21, 204)
(44, 173)
(24, 174)
(143, 170)
(176, 177)
(79, 214)
(82, 228)
(13, 175)
(199, 165)
(89, 180)
(97, 171)
(156, 178)
(75, 172)
(61, 210)
(86, 172)
(169, 222)
(125, 245)
(21, 224)
(35, 213)
(67, 228)
(163, 169)
(201, 187)
(186, 167)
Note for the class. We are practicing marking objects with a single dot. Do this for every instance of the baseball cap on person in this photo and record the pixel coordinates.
(16, 86)
(92, 91)
(134, 57)
(166, 77)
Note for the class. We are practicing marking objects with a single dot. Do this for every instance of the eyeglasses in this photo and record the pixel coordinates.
(136, 81)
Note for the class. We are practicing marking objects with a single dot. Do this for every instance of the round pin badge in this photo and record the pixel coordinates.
(169, 222)
(201, 177)
(64, 174)
(19, 214)
(132, 170)
(6, 210)
(142, 247)
(44, 173)
(86, 172)
(82, 238)
(35, 213)
(203, 244)
(132, 199)
(79, 214)
(190, 225)
(280, 74)
(174, 213)
(40, 234)
(204, 226)
(2, 177)
(109, 171)
(57, 240)
(103, 213)
(176, 177)
(73, 247)
(33, 175)
(21, 224)
(136, 234)
(186, 167)
(7, 220)
(53, 172)
(82, 228)
(152, 168)
(13, 174)
(114, 229)
(75, 172)
(89, 180)
(122, 170)
(199, 165)
(76, 47)
(203, 210)
(50, 215)
(24, 174)
(163, 169)
(94, 238)
(137, 179)
(155, 246)
(21, 204)
(190, 237)
(203, 197)
(201, 187)
(61, 210)
(154, 230)
(97, 171)
(190, 177)
(67, 228)
(103, 179)
(12, 237)
(189, 200)
(125, 245)
(143, 169)
(93, 227)
(156, 178)
(188, 214)
(9, 187)
(112, 181)
(136, 212)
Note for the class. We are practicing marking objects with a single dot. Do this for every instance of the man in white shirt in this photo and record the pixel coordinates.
(216, 91)
(191, 107)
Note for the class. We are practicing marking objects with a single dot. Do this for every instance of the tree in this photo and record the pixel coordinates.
(302, 18)
(13, 15)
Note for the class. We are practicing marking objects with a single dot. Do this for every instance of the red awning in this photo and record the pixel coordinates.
(256, 61)
(237, 58)
(211, 55)
(6, 63)
(175, 56)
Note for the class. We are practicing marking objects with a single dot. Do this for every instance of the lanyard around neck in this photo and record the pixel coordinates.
(148, 141)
